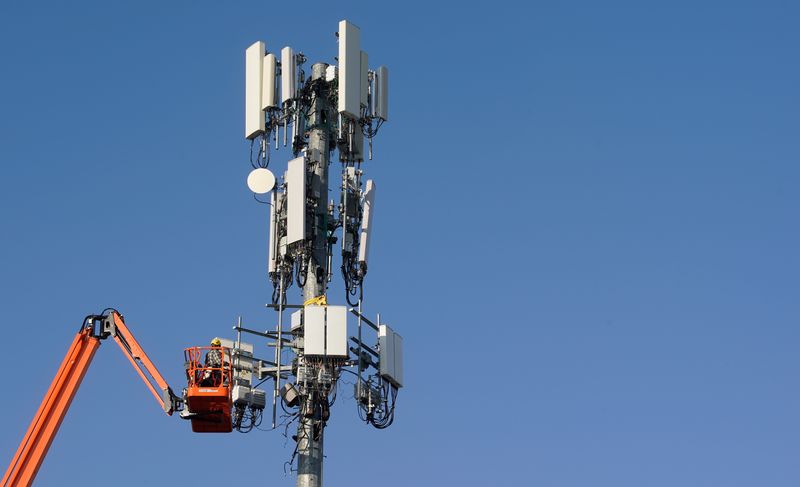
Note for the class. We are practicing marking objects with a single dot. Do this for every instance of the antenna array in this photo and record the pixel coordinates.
(334, 108)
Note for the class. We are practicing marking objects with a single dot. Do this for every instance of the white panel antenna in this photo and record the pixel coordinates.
(364, 80)
(336, 331)
(398, 360)
(296, 204)
(349, 69)
(297, 319)
(324, 330)
(253, 79)
(288, 75)
(391, 355)
(386, 355)
(269, 93)
(273, 229)
(314, 330)
(381, 96)
(366, 223)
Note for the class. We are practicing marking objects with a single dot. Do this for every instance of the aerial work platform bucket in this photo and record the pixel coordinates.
(208, 396)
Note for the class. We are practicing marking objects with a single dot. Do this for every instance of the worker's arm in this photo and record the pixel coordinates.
(56, 402)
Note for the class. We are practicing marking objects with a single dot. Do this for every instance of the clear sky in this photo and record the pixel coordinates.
(586, 231)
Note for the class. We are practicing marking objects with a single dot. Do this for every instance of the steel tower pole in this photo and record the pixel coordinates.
(321, 132)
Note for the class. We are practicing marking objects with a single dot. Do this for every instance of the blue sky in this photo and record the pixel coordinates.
(586, 233)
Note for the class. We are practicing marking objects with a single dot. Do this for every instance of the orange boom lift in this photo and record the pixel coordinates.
(210, 413)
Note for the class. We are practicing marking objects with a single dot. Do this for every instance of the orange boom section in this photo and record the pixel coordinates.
(208, 395)
(51, 412)
(56, 402)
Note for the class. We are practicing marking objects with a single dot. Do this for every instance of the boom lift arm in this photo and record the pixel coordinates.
(33, 448)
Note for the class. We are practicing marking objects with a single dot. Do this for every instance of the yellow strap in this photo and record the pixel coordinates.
(319, 300)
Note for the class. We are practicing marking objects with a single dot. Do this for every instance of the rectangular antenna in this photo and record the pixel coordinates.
(253, 78)
(273, 228)
(364, 81)
(358, 145)
(269, 91)
(314, 330)
(296, 203)
(297, 319)
(349, 69)
(288, 74)
(381, 96)
(336, 331)
(366, 222)
(391, 355)
(398, 360)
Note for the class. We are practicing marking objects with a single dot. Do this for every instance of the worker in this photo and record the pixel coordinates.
(212, 377)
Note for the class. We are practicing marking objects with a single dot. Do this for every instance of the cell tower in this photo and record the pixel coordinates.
(335, 108)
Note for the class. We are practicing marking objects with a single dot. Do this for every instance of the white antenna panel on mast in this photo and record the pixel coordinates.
(296, 203)
(364, 80)
(269, 91)
(273, 232)
(288, 74)
(314, 330)
(391, 355)
(381, 97)
(349, 69)
(253, 79)
(336, 331)
(325, 331)
(366, 225)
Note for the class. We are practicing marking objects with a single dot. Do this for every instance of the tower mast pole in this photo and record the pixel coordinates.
(310, 430)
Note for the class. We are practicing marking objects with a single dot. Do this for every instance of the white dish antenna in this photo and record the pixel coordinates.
(261, 181)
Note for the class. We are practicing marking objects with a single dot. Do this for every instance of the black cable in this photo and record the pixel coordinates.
(252, 163)
(302, 270)
(347, 297)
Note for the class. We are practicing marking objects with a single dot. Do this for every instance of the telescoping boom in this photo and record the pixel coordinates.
(33, 448)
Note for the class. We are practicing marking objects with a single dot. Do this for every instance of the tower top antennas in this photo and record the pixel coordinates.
(333, 107)
(349, 70)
